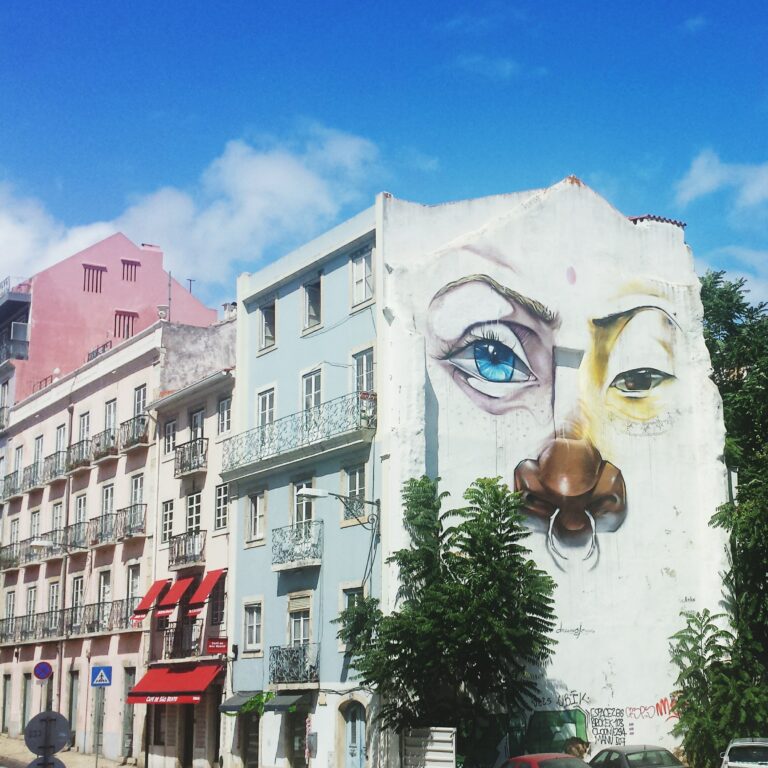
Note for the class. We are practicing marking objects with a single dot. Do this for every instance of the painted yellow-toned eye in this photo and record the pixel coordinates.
(639, 381)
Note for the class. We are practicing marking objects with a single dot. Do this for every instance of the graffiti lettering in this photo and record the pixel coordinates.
(666, 708)
(577, 632)
(607, 725)
(642, 713)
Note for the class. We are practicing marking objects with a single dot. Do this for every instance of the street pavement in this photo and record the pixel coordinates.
(14, 754)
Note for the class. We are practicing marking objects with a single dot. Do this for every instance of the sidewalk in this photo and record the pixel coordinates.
(15, 749)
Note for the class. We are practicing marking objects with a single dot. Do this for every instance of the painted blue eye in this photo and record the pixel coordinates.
(497, 362)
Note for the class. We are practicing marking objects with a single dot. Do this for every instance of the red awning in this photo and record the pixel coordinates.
(146, 602)
(172, 596)
(179, 684)
(197, 601)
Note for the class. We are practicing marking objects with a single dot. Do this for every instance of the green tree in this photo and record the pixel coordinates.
(473, 618)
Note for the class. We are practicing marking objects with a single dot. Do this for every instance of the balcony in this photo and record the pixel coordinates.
(104, 447)
(79, 457)
(76, 536)
(55, 467)
(4, 417)
(103, 530)
(134, 433)
(186, 550)
(13, 349)
(294, 664)
(182, 639)
(131, 521)
(48, 546)
(32, 477)
(12, 485)
(122, 610)
(297, 546)
(10, 557)
(191, 457)
(338, 423)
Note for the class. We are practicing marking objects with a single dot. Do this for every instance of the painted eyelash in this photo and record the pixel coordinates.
(471, 335)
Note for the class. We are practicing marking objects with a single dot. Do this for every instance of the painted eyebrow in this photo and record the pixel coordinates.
(627, 314)
(532, 305)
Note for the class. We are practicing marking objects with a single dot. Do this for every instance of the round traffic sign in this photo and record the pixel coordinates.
(43, 670)
(47, 733)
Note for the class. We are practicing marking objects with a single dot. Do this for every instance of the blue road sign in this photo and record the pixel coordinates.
(101, 677)
(43, 670)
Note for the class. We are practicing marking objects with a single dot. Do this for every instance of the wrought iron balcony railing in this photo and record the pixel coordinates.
(12, 485)
(79, 455)
(104, 446)
(187, 549)
(9, 556)
(122, 610)
(46, 546)
(54, 466)
(182, 639)
(103, 530)
(294, 663)
(191, 457)
(14, 349)
(134, 433)
(32, 476)
(4, 414)
(76, 536)
(8, 630)
(131, 521)
(297, 546)
(94, 353)
(331, 419)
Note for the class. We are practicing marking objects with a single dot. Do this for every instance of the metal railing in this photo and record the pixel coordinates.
(104, 445)
(32, 476)
(294, 663)
(134, 432)
(14, 285)
(103, 529)
(182, 639)
(76, 536)
(131, 521)
(43, 383)
(14, 349)
(43, 547)
(12, 484)
(79, 455)
(187, 549)
(9, 556)
(335, 417)
(4, 414)
(191, 457)
(54, 466)
(94, 353)
(297, 543)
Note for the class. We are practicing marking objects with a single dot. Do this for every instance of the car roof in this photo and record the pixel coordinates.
(627, 748)
(543, 756)
(754, 740)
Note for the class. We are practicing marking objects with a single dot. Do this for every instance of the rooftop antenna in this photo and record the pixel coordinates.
(190, 281)
(169, 295)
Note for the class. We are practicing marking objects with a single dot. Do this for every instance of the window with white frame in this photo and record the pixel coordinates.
(14, 537)
(311, 386)
(84, 426)
(31, 600)
(10, 604)
(193, 512)
(298, 620)
(355, 491)
(110, 416)
(364, 371)
(302, 505)
(217, 602)
(362, 276)
(81, 508)
(166, 524)
(221, 516)
(312, 305)
(266, 401)
(169, 436)
(352, 597)
(107, 499)
(225, 414)
(34, 524)
(78, 591)
(53, 596)
(197, 424)
(18, 458)
(256, 517)
(139, 400)
(252, 627)
(137, 489)
(267, 328)
(37, 455)
(57, 516)
(61, 437)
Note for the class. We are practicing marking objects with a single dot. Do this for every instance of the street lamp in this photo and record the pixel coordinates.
(352, 504)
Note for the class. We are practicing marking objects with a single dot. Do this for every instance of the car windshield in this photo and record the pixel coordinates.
(749, 753)
(651, 757)
(563, 762)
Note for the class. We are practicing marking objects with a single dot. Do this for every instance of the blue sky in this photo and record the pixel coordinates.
(229, 132)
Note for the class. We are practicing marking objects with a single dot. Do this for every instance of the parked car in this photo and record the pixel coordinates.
(546, 760)
(746, 753)
(637, 756)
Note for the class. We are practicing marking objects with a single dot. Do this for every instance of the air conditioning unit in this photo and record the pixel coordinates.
(19, 331)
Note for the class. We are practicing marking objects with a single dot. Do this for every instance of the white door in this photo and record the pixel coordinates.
(354, 738)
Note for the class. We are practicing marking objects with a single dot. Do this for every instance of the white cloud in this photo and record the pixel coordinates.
(738, 261)
(709, 174)
(695, 24)
(247, 200)
(494, 68)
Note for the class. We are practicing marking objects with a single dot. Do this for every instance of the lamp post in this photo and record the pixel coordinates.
(352, 504)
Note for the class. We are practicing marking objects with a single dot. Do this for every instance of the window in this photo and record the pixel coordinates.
(364, 371)
(196, 420)
(18, 458)
(169, 436)
(311, 387)
(78, 591)
(37, 455)
(302, 505)
(92, 274)
(124, 324)
(61, 437)
(266, 407)
(57, 516)
(221, 516)
(110, 415)
(158, 724)
(356, 492)
(267, 334)
(312, 307)
(10, 604)
(298, 620)
(34, 525)
(31, 600)
(132, 584)
(362, 276)
(193, 512)
(81, 513)
(107, 499)
(15, 531)
(225, 414)
(218, 602)
(256, 517)
(252, 627)
(137, 489)
(53, 596)
(130, 270)
(84, 426)
(166, 525)
(352, 597)
(4, 397)
(140, 400)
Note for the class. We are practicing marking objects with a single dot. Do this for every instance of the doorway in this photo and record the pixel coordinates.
(354, 735)
(74, 693)
(187, 735)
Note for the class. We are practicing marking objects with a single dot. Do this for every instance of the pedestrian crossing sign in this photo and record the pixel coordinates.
(101, 677)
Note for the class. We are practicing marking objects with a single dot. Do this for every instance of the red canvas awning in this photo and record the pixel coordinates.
(179, 684)
(168, 603)
(146, 602)
(202, 593)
